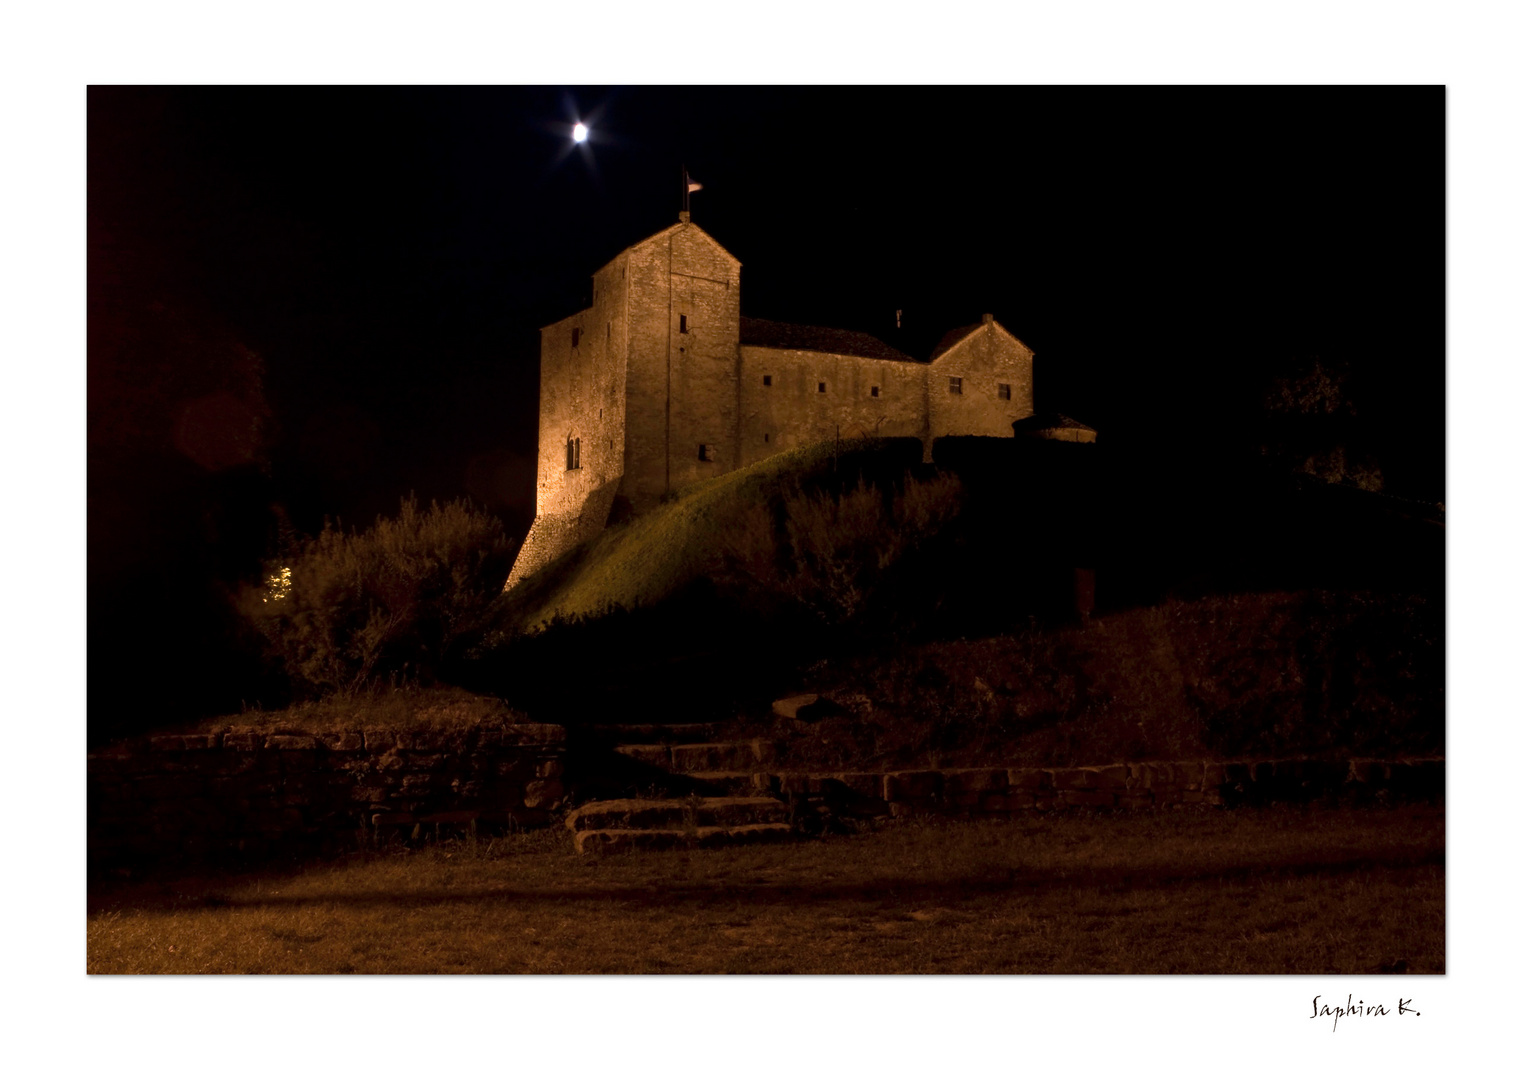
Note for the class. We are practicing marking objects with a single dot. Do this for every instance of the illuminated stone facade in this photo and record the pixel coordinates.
(661, 382)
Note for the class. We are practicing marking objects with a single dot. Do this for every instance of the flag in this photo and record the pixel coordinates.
(690, 185)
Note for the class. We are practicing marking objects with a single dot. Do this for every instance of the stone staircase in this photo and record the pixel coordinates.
(675, 785)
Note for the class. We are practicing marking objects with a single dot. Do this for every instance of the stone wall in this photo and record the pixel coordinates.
(582, 398)
(814, 397)
(681, 376)
(983, 361)
(167, 797)
(1136, 786)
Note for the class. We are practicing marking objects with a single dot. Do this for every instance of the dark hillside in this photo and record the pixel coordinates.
(1311, 673)
(747, 613)
(1156, 526)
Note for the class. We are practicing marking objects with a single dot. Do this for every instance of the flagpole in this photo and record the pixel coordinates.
(685, 183)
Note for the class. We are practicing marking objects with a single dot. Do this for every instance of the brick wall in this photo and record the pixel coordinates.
(173, 796)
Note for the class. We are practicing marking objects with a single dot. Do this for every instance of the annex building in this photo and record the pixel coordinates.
(662, 381)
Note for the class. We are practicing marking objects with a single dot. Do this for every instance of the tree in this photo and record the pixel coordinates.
(1312, 426)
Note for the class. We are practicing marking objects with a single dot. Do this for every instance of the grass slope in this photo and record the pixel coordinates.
(655, 554)
(443, 709)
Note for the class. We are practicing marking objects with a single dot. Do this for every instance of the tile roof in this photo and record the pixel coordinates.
(782, 335)
(1049, 422)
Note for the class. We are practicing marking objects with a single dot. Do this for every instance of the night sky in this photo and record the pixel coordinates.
(389, 254)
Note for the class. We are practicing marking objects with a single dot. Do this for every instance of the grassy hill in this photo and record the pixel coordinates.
(1233, 617)
(654, 556)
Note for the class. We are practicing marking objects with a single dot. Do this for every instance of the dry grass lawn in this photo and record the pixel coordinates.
(439, 709)
(1306, 890)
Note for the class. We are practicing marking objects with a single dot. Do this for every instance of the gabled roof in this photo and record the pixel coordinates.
(1052, 421)
(953, 338)
(782, 335)
(675, 227)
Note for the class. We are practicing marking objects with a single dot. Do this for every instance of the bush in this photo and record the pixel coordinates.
(345, 611)
(830, 552)
(1251, 675)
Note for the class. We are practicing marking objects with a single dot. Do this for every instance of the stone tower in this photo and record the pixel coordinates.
(634, 386)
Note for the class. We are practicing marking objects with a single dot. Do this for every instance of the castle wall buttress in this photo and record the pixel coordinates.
(581, 444)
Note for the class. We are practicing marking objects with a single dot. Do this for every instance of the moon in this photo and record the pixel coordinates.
(580, 132)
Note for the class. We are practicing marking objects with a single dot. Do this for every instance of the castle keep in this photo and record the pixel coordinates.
(661, 382)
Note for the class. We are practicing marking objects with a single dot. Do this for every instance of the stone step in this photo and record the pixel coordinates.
(653, 754)
(604, 841)
(658, 733)
(702, 757)
(677, 814)
(734, 783)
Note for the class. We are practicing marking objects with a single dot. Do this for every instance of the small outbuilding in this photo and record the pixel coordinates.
(1055, 427)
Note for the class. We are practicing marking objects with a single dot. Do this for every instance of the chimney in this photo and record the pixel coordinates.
(986, 318)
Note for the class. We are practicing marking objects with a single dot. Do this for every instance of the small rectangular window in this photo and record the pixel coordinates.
(821, 388)
(1005, 391)
(766, 436)
(768, 380)
(683, 324)
(874, 391)
(707, 452)
(954, 384)
(575, 336)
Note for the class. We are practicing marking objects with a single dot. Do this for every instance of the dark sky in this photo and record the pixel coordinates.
(391, 253)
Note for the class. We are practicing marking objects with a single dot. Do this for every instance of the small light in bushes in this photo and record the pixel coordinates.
(278, 585)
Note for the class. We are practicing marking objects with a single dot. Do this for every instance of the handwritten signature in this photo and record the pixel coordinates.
(1337, 1012)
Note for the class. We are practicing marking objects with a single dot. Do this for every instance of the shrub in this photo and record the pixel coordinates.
(1250, 675)
(344, 611)
(831, 552)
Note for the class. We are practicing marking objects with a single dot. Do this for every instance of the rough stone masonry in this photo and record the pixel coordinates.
(249, 793)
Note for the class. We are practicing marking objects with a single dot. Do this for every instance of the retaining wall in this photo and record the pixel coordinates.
(1139, 785)
(168, 797)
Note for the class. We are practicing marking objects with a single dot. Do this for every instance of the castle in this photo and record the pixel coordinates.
(661, 381)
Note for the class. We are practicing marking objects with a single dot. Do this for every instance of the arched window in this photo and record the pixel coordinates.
(574, 452)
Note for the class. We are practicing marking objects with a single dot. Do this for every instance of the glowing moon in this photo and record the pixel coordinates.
(580, 132)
